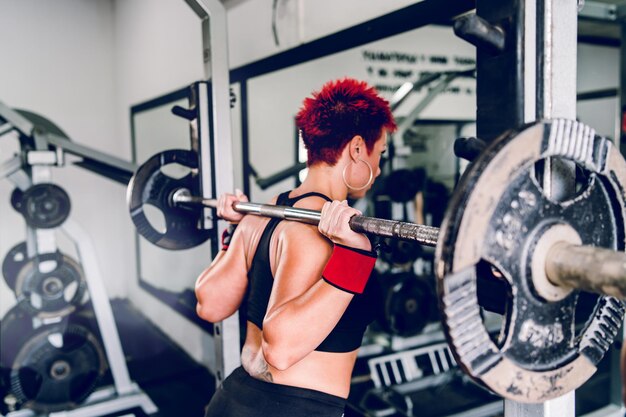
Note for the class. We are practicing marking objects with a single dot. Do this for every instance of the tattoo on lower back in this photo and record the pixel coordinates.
(259, 367)
(264, 372)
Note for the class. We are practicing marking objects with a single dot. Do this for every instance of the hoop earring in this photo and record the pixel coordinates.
(369, 180)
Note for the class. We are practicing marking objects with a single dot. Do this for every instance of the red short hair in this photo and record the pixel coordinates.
(341, 110)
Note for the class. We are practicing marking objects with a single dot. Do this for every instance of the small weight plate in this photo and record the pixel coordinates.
(13, 262)
(45, 206)
(151, 186)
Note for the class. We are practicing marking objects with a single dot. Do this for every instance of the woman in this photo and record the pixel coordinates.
(305, 287)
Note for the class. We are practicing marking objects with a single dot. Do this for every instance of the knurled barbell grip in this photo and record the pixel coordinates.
(424, 235)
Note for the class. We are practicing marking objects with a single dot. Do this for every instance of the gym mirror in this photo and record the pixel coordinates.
(168, 275)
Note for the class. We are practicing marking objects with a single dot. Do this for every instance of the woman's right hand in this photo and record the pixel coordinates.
(225, 208)
(335, 225)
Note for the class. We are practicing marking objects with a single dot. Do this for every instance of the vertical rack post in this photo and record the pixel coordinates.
(216, 69)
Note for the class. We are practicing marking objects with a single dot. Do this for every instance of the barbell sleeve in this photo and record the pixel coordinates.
(587, 268)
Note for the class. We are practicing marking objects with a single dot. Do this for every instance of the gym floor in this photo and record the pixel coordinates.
(181, 387)
(175, 382)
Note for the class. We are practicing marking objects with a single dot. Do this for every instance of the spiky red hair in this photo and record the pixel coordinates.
(341, 110)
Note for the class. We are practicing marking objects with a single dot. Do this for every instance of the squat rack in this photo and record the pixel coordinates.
(532, 77)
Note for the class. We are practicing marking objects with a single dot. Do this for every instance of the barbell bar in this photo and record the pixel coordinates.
(592, 269)
(424, 235)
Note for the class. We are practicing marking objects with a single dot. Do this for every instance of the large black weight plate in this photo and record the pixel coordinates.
(409, 303)
(400, 252)
(45, 206)
(498, 215)
(401, 185)
(50, 368)
(13, 262)
(150, 186)
(53, 292)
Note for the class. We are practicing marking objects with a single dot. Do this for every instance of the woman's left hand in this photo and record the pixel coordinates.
(335, 225)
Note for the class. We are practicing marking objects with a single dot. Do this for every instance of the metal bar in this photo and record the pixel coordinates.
(550, 29)
(557, 75)
(414, 16)
(89, 153)
(405, 89)
(10, 166)
(17, 120)
(101, 306)
(622, 87)
(216, 67)
(588, 268)
(207, 161)
(559, 407)
(264, 183)
(5, 128)
(594, 10)
(597, 94)
(432, 94)
(425, 235)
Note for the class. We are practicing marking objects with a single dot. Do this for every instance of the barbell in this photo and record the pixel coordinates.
(545, 249)
(562, 268)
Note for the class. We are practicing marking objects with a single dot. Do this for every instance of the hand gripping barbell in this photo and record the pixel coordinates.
(546, 250)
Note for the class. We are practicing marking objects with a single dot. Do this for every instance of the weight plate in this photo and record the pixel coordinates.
(400, 252)
(500, 215)
(53, 367)
(409, 303)
(401, 185)
(151, 186)
(13, 262)
(55, 292)
(45, 206)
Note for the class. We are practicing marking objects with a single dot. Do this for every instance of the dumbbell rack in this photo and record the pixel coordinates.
(124, 394)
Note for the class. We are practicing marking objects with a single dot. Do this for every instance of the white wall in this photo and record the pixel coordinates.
(599, 69)
(57, 60)
(297, 21)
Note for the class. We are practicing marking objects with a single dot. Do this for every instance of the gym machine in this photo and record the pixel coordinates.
(46, 208)
(210, 118)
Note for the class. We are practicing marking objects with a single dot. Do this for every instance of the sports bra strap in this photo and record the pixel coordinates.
(312, 193)
(283, 199)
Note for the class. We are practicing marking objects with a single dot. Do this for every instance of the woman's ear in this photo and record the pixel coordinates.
(357, 147)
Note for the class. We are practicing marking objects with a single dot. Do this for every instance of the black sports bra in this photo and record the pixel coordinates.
(348, 333)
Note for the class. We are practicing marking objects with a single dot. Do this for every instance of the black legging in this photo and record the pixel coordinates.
(243, 396)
